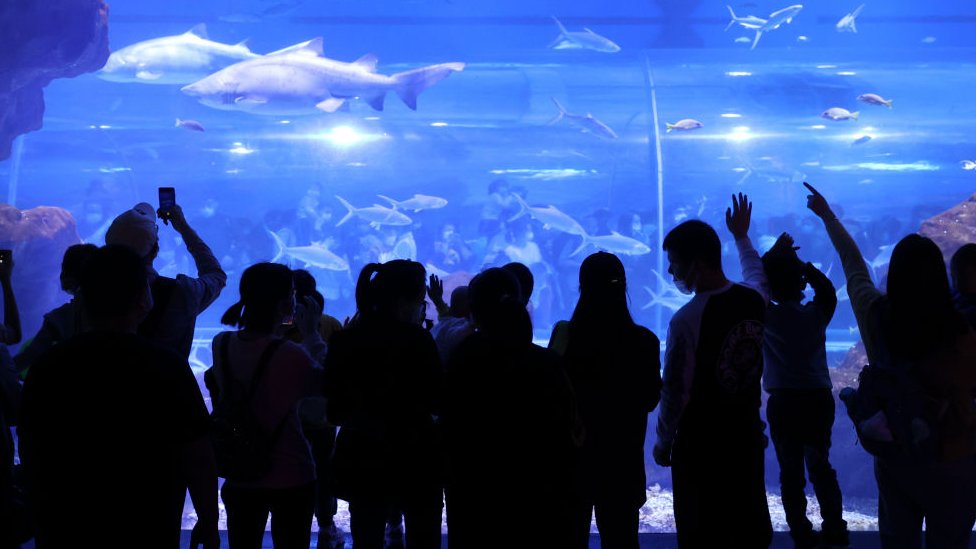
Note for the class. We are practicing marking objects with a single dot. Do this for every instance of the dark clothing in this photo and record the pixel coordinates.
(369, 518)
(104, 413)
(800, 423)
(382, 383)
(616, 375)
(966, 304)
(511, 431)
(710, 419)
(618, 524)
(248, 510)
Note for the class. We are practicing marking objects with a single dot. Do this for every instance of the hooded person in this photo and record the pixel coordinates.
(177, 301)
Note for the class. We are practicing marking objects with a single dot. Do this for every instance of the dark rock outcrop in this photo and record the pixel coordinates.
(41, 41)
(38, 238)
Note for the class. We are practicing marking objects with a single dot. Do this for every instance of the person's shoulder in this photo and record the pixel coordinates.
(645, 334)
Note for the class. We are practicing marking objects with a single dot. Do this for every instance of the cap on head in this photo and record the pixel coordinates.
(136, 229)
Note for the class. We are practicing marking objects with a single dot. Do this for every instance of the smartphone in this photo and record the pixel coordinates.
(167, 199)
(6, 256)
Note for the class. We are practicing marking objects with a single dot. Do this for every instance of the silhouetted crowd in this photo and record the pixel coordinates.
(403, 417)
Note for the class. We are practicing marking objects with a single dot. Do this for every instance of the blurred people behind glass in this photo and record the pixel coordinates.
(615, 368)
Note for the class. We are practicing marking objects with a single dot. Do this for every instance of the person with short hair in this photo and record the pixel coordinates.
(709, 429)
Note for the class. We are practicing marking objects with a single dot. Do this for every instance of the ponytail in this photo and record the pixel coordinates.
(232, 316)
(365, 298)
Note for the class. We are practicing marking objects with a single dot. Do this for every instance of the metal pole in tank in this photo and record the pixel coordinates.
(18, 152)
(660, 183)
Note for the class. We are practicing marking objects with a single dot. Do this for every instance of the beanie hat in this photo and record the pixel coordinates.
(135, 229)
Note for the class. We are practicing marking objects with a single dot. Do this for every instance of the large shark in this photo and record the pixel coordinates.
(614, 243)
(299, 80)
(178, 59)
(750, 22)
(550, 217)
(587, 122)
(375, 215)
(585, 40)
(848, 23)
(776, 19)
(314, 255)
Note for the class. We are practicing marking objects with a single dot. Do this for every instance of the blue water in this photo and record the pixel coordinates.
(106, 145)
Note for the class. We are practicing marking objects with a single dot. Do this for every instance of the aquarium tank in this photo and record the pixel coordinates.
(326, 135)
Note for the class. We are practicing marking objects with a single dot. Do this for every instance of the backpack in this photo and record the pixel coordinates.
(894, 416)
(241, 447)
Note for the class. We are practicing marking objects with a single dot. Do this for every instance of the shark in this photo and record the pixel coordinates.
(314, 255)
(586, 122)
(550, 217)
(299, 79)
(848, 23)
(750, 22)
(178, 59)
(775, 20)
(669, 300)
(375, 215)
(614, 243)
(417, 202)
(585, 40)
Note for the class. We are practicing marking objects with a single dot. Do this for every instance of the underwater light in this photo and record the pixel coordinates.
(438, 124)
(371, 118)
(739, 134)
(239, 148)
(731, 115)
(738, 73)
(826, 66)
(284, 121)
(846, 73)
(817, 127)
(343, 136)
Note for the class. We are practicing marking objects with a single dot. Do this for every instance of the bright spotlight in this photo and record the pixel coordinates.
(343, 136)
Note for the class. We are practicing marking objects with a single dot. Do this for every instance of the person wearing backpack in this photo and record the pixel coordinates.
(922, 382)
(257, 382)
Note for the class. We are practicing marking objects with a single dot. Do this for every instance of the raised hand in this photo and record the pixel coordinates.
(739, 216)
(435, 290)
(818, 204)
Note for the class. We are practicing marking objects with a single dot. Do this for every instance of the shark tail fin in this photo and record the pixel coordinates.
(279, 246)
(523, 207)
(179, 121)
(410, 84)
(390, 200)
(562, 29)
(559, 116)
(756, 40)
(582, 246)
(888, 103)
(670, 127)
(732, 22)
(855, 115)
(351, 210)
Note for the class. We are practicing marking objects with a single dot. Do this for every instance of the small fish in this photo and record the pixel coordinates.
(837, 113)
(968, 165)
(742, 40)
(802, 38)
(417, 202)
(861, 140)
(192, 125)
(874, 99)
(848, 22)
(585, 40)
(550, 217)
(587, 122)
(929, 40)
(685, 124)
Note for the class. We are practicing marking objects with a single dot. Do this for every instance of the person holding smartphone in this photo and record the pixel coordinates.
(177, 301)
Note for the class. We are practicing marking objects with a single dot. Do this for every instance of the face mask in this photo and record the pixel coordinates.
(683, 283)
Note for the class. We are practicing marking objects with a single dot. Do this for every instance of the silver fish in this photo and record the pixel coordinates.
(750, 22)
(776, 19)
(192, 125)
(550, 217)
(686, 124)
(375, 215)
(614, 243)
(874, 99)
(837, 113)
(848, 22)
(587, 122)
(314, 255)
(968, 165)
(586, 40)
(417, 202)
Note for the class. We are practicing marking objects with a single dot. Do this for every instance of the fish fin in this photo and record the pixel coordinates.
(149, 75)
(888, 103)
(376, 101)
(279, 245)
(855, 115)
(853, 26)
(857, 12)
(179, 122)
(244, 44)
(349, 207)
(367, 62)
(581, 247)
(409, 84)
(250, 100)
(756, 40)
(311, 47)
(331, 104)
(732, 22)
(390, 200)
(199, 30)
(587, 29)
(562, 29)
(670, 127)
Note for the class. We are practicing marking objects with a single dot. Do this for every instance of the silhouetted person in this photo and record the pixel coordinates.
(962, 268)
(114, 425)
(914, 331)
(525, 279)
(510, 426)
(800, 409)
(453, 322)
(382, 383)
(176, 302)
(278, 374)
(709, 430)
(12, 527)
(615, 369)
(65, 321)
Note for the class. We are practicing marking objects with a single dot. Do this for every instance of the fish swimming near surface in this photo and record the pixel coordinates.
(314, 255)
(874, 99)
(417, 202)
(550, 217)
(848, 23)
(586, 122)
(775, 20)
(178, 59)
(192, 125)
(300, 80)
(750, 22)
(585, 40)
(614, 243)
(837, 113)
(861, 140)
(684, 125)
(375, 215)
(968, 165)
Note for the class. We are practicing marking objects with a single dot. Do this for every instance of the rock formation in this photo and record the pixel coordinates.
(41, 41)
